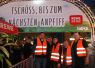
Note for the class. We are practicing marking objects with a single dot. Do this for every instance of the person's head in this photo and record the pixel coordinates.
(28, 41)
(55, 40)
(49, 39)
(23, 42)
(42, 35)
(76, 36)
(65, 43)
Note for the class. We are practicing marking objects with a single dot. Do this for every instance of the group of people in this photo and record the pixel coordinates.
(18, 51)
(50, 53)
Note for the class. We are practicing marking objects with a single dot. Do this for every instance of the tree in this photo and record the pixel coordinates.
(4, 55)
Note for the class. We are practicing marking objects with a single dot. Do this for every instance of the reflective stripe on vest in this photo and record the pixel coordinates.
(54, 57)
(38, 51)
(69, 60)
(55, 53)
(62, 58)
(41, 48)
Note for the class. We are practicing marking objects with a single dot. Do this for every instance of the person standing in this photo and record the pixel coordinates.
(79, 52)
(55, 53)
(66, 52)
(49, 39)
(40, 51)
(27, 51)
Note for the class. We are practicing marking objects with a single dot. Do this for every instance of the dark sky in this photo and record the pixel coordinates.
(90, 3)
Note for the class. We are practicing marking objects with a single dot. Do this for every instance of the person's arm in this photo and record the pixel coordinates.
(60, 52)
(87, 50)
(34, 45)
(48, 49)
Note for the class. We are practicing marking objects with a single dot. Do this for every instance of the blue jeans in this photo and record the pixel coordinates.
(40, 62)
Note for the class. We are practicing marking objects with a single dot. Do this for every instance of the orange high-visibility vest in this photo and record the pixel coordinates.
(68, 56)
(41, 48)
(55, 53)
(81, 51)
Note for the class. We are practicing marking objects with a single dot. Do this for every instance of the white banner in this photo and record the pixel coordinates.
(40, 14)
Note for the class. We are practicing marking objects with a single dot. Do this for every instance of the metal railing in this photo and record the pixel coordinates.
(27, 63)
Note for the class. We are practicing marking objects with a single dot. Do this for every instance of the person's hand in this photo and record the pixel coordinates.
(22, 57)
(58, 65)
(87, 61)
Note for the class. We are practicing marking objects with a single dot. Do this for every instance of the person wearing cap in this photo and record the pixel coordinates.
(40, 51)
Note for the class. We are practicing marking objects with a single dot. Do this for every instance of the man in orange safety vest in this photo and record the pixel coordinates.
(40, 51)
(79, 52)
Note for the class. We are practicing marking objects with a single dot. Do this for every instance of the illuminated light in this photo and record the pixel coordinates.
(38, 1)
(72, 39)
(24, 39)
(61, 44)
(5, 1)
(32, 42)
(81, 38)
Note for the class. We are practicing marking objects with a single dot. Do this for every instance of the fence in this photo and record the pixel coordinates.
(27, 63)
